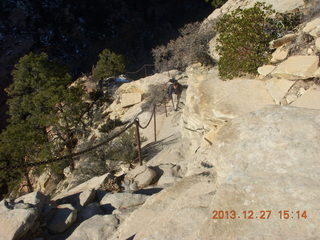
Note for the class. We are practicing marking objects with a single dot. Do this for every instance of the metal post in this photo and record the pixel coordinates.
(154, 123)
(165, 107)
(138, 141)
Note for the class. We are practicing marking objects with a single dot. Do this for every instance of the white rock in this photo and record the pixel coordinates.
(297, 67)
(266, 70)
(15, 223)
(142, 175)
(279, 6)
(280, 54)
(267, 160)
(310, 99)
(123, 200)
(317, 43)
(129, 99)
(35, 198)
(96, 228)
(313, 27)
(87, 197)
(278, 88)
(63, 218)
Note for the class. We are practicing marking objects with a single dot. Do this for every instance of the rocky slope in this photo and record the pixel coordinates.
(238, 161)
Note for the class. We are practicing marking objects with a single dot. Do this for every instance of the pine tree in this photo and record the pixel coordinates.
(42, 107)
(109, 64)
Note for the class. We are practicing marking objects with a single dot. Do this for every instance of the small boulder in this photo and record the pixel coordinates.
(63, 218)
(142, 176)
(95, 228)
(280, 54)
(87, 197)
(15, 223)
(35, 198)
(283, 40)
(123, 200)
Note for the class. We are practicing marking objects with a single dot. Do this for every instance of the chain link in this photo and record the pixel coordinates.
(34, 164)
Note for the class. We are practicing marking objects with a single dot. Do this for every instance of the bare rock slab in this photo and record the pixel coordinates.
(297, 67)
(278, 88)
(96, 228)
(63, 218)
(267, 160)
(15, 223)
(310, 99)
(123, 200)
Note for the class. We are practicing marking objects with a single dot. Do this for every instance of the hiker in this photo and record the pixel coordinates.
(174, 93)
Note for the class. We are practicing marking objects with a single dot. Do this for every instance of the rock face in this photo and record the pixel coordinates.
(15, 223)
(123, 200)
(279, 6)
(260, 163)
(95, 228)
(268, 159)
(297, 67)
(63, 218)
(174, 213)
(210, 101)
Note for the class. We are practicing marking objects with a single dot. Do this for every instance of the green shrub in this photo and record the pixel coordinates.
(109, 64)
(243, 42)
(244, 36)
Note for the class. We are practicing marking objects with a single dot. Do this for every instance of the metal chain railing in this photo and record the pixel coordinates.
(136, 122)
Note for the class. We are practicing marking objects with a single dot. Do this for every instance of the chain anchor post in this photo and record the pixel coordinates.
(138, 141)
